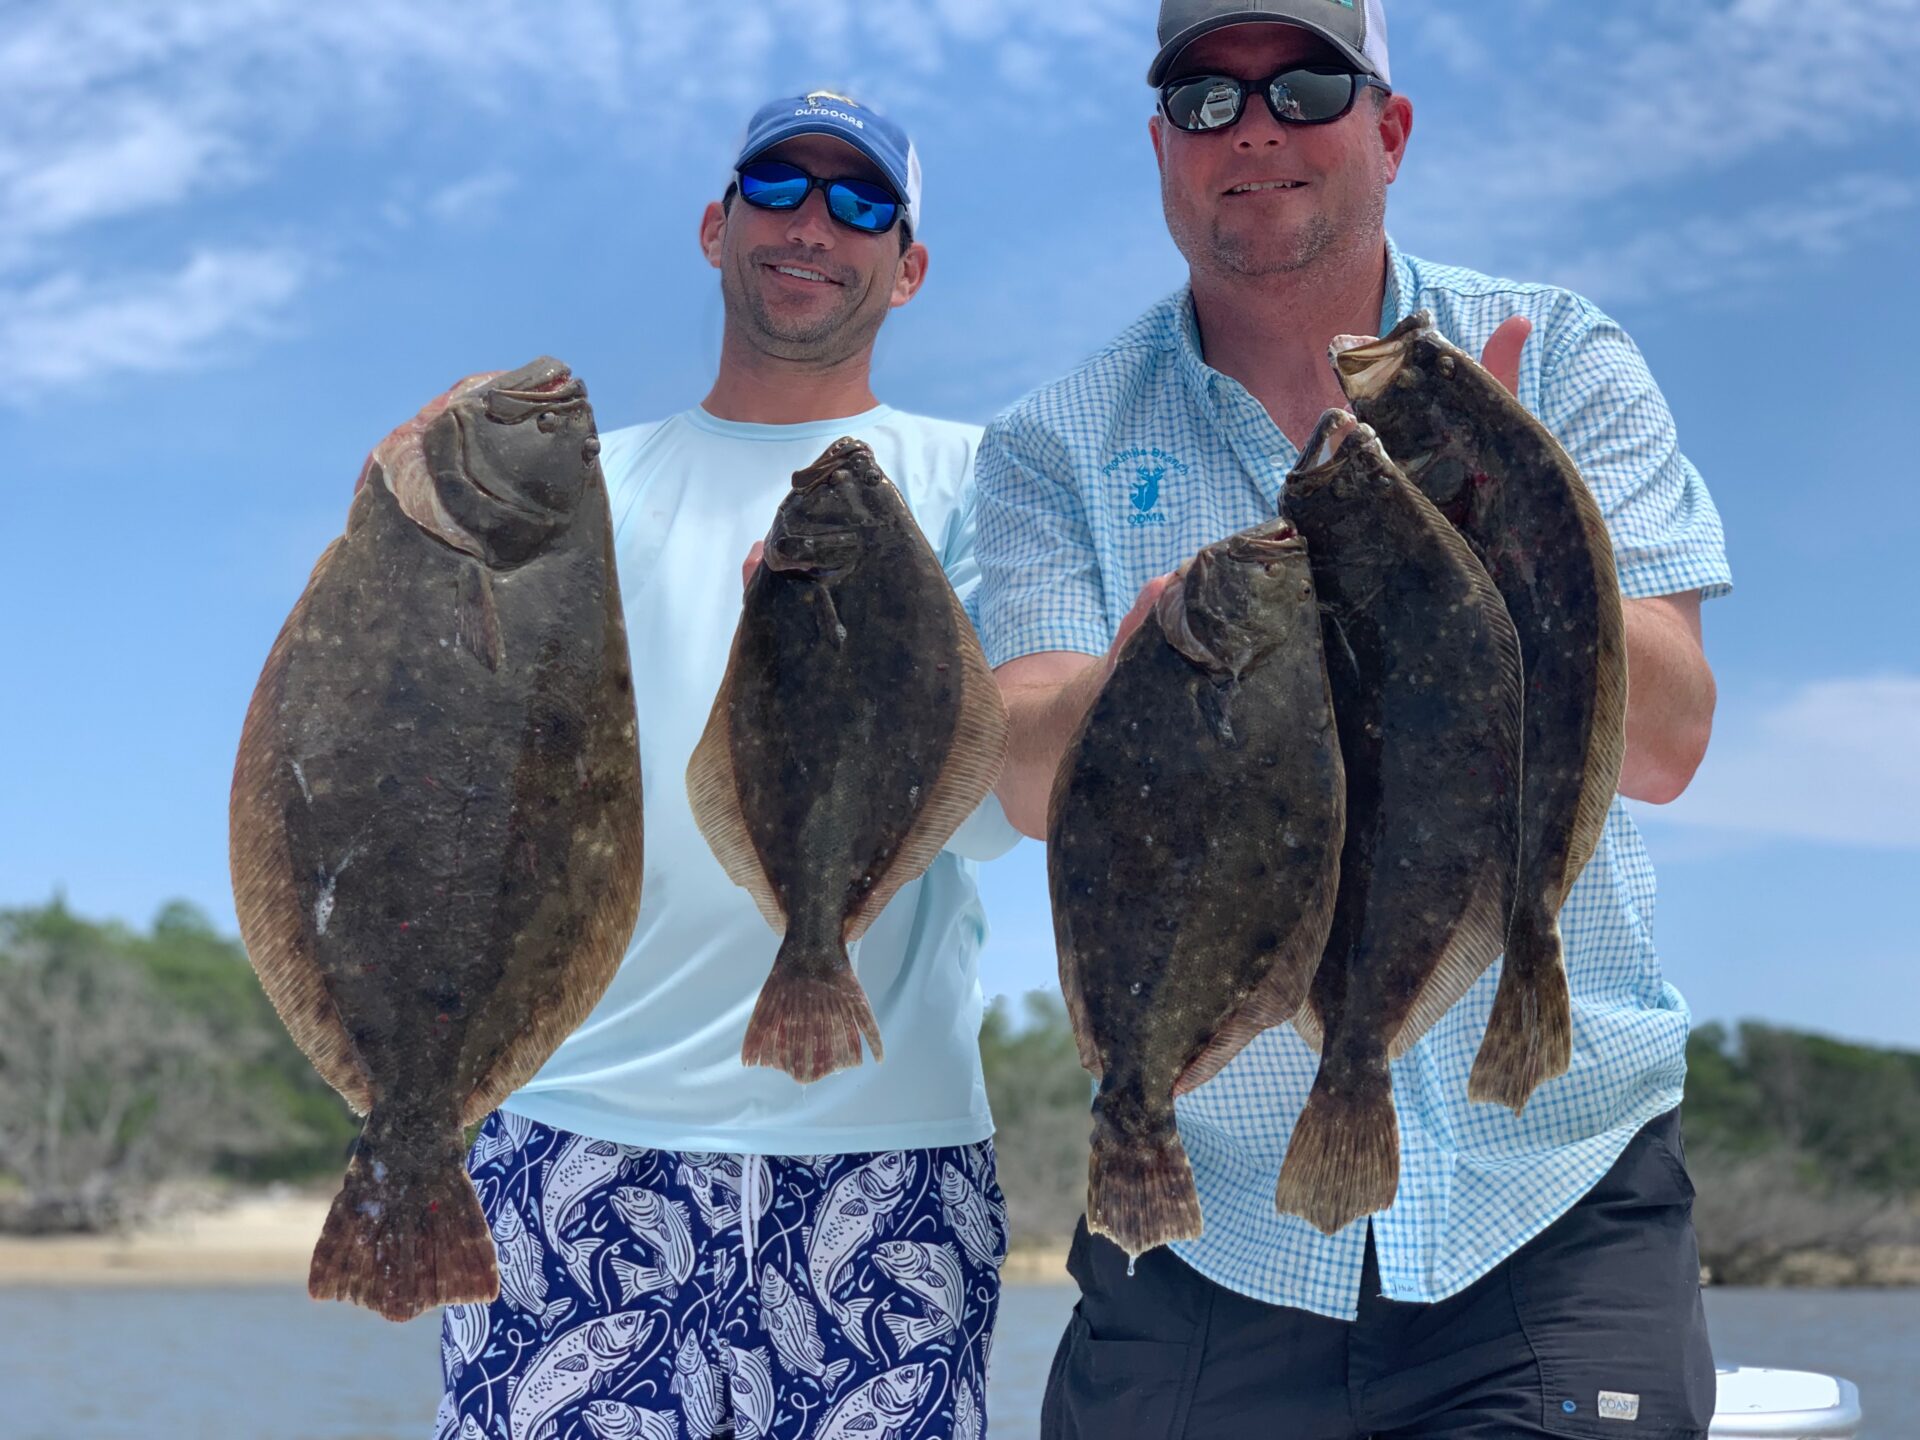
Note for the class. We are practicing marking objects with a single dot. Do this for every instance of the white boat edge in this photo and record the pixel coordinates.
(1756, 1403)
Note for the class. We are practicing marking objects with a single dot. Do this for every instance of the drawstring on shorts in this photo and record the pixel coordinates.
(749, 1207)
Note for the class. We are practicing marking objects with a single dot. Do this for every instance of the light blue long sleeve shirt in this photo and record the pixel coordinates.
(657, 1063)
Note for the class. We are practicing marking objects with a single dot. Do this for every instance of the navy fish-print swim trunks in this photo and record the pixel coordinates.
(656, 1295)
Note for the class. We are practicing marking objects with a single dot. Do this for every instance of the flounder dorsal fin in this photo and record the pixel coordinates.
(713, 791)
(972, 768)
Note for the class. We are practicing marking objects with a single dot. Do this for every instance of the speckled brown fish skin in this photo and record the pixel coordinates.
(436, 820)
(1425, 671)
(1498, 475)
(1193, 855)
(857, 726)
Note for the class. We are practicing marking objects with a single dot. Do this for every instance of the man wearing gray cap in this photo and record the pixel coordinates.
(691, 1246)
(1537, 1273)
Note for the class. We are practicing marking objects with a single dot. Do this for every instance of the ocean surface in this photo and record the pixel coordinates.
(266, 1363)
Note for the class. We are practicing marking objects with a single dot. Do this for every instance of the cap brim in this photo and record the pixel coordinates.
(1170, 52)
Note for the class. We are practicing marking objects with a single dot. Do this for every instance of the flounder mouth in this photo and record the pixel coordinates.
(1272, 542)
(1366, 366)
(540, 388)
(1336, 431)
(846, 460)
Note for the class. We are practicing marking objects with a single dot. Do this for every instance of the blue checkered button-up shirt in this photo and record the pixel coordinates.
(1102, 480)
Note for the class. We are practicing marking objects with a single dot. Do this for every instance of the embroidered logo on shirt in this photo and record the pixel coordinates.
(1146, 494)
(1145, 471)
(1618, 1405)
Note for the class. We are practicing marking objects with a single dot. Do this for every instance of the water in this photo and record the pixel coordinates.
(245, 1364)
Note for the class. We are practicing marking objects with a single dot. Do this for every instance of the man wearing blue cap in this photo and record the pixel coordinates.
(690, 1247)
(1536, 1273)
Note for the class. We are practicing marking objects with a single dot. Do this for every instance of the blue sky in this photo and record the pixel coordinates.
(239, 241)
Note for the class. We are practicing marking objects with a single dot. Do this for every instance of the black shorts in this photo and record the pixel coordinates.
(1607, 1298)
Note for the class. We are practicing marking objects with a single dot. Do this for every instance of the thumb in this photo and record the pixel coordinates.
(1501, 358)
(752, 561)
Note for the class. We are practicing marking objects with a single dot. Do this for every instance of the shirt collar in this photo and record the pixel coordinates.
(1397, 305)
(1185, 337)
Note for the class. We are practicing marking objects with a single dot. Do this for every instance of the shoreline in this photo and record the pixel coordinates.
(259, 1239)
(267, 1238)
(255, 1239)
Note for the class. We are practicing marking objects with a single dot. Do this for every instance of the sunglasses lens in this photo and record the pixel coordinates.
(1206, 102)
(773, 186)
(872, 208)
(1311, 96)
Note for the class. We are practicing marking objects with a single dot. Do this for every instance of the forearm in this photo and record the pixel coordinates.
(1670, 698)
(1046, 696)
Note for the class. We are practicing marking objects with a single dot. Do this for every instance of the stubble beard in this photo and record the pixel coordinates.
(1211, 247)
(820, 340)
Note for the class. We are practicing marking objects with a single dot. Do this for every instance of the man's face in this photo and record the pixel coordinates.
(798, 283)
(1335, 176)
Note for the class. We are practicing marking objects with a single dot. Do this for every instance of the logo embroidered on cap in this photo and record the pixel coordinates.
(1618, 1405)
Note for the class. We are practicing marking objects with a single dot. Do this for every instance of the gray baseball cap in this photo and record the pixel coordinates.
(1356, 28)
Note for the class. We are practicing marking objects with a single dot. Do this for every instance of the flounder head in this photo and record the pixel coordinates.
(1343, 459)
(511, 456)
(835, 501)
(1415, 375)
(1238, 599)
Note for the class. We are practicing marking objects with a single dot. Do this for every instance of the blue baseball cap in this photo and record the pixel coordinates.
(823, 112)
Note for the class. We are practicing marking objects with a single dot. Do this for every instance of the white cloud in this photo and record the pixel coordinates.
(1605, 148)
(1673, 92)
(1836, 761)
(129, 156)
(1453, 39)
(1728, 256)
(116, 115)
(473, 199)
(68, 327)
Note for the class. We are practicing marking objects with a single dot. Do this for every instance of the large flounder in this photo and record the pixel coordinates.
(1425, 670)
(1193, 853)
(436, 820)
(856, 727)
(1497, 474)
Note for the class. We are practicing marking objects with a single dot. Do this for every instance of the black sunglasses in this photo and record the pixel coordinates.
(858, 204)
(1302, 95)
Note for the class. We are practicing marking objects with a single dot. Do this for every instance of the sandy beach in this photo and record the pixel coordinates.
(255, 1239)
(265, 1238)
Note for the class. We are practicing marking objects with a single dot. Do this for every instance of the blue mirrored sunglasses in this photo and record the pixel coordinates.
(858, 204)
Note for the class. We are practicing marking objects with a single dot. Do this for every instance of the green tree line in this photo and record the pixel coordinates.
(131, 1059)
(1796, 1142)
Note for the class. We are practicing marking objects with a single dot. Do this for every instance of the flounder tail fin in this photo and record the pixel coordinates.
(1529, 1038)
(1140, 1190)
(400, 1240)
(809, 1024)
(1343, 1161)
